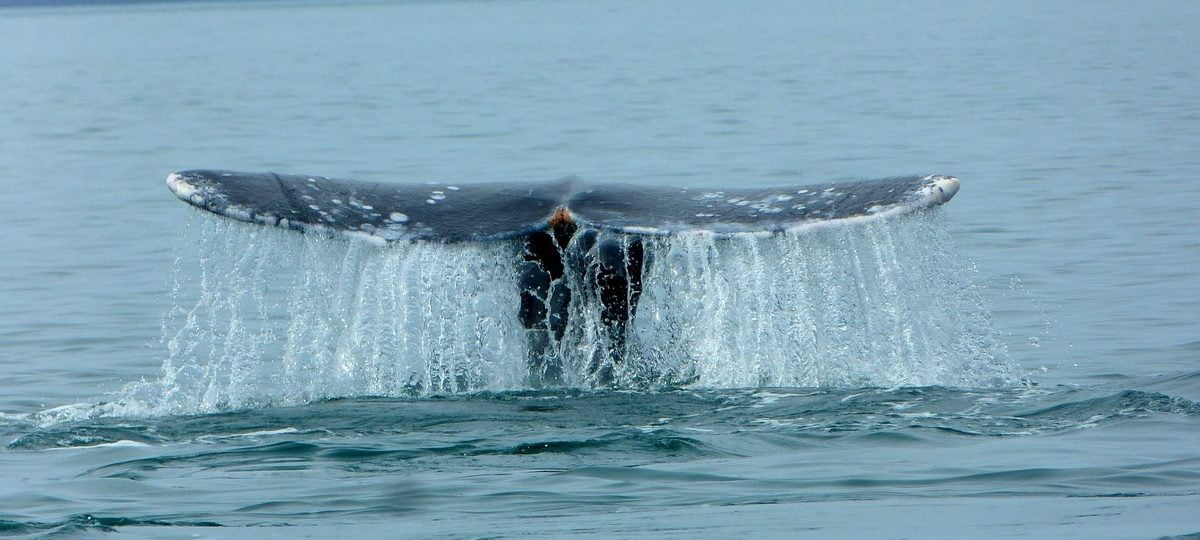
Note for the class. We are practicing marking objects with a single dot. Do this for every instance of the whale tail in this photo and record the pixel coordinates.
(440, 212)
(582, 244)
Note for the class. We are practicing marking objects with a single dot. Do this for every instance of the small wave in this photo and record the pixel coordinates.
(252, 434)
(123, 443)
(660, 442)
(686, 422)
(1124, 404)
(88, 523)
(86, 436)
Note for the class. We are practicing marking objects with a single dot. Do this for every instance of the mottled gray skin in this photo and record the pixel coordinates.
(582, 243)
(451, 213)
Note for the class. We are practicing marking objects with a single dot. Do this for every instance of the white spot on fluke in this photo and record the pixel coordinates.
(178, 185)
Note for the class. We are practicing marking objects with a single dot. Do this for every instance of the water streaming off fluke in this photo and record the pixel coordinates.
(268, 317)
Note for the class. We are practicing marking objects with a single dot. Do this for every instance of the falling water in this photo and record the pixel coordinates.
(269, 317)
(874, 304)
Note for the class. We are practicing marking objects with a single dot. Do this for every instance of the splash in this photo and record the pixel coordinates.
(268, 317)
(876, 304)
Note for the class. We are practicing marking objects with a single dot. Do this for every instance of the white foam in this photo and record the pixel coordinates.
(123, 443)
(250, 434)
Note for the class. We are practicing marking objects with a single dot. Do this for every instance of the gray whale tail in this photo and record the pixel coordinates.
(581, 243)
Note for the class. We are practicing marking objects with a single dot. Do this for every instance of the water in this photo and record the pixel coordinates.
(1031, 373)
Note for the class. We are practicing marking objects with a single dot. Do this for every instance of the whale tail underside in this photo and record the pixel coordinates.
(584, 257)
(441, 212)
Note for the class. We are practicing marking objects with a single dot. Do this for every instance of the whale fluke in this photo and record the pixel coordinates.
(441, 212)
(583, 244)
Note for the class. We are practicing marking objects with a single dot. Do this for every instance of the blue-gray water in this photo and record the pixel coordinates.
(1068, 405)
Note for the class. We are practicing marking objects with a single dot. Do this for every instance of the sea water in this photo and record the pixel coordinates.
(1020, 362)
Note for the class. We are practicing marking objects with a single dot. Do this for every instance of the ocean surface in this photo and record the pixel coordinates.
(1021, 362)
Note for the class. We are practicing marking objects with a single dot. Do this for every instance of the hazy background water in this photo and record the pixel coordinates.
(1074, 126)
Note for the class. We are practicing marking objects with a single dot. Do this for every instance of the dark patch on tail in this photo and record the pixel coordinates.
(560, 266)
